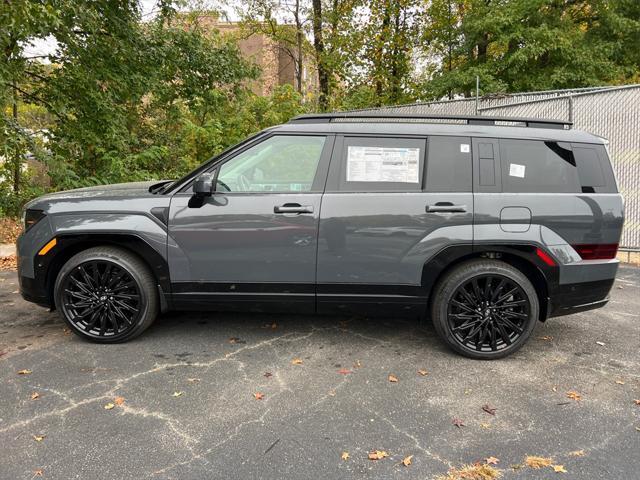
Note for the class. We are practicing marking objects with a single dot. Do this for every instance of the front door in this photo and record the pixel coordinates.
(254, 241)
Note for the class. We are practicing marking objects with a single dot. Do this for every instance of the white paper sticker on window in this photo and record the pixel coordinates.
(464, 148)
(516, 170)
(383, 164)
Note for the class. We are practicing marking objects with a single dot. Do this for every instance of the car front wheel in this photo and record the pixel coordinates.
(106, 294)
(485, 309)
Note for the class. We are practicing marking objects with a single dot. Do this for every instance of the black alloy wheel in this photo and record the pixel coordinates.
(101, 298)
(106, 294)
(484, 309)
(488, 313)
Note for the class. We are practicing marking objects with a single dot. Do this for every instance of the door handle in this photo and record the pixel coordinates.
(293, 208)
(446, 207)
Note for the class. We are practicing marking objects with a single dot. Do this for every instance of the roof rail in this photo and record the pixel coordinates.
(468, 119)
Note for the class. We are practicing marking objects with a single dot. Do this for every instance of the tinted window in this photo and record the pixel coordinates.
(537, 166)
(589, 168)
(279, 164)
(449, 164)
(381, 164)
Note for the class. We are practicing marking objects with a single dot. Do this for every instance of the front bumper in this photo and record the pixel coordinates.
(34, 291)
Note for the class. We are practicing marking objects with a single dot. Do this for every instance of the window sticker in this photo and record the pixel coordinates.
(383, 164)
(464, 148)
(516, 170)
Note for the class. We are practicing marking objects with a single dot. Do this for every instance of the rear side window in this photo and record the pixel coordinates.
(381, 164)
(538, 167)
(448, 164)
(594, 169)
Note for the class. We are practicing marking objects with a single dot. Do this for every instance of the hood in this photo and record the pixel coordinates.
(133, 189)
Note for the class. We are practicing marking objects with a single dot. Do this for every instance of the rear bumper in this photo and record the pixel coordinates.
(579, 297)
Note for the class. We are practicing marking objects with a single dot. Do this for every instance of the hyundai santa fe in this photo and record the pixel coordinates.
(484, 225)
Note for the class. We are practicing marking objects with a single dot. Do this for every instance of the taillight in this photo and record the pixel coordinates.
(596, 251)
(545, 257)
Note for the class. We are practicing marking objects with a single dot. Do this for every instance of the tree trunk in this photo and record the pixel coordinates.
(17, 164)
(299, 44)
(318, 45)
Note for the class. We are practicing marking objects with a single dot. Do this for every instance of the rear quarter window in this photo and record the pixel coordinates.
(594, 168)
(534, 166)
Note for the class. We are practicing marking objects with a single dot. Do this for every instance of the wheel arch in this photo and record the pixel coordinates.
(69, 245)
(522, 256)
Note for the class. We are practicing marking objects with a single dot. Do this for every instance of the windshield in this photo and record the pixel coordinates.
(170, 187)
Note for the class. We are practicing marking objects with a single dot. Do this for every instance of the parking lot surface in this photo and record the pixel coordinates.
(227, 395)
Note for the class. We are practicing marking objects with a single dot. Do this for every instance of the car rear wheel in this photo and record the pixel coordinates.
(485, 309)
(106, 294)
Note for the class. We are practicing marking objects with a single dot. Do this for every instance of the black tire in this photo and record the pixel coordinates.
(106, 295)
(467, 315)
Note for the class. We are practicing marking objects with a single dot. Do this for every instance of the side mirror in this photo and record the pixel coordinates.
(203, 186)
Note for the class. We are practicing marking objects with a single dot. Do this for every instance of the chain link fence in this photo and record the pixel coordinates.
(609, 112)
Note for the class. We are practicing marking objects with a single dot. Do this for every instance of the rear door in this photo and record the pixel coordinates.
(388, 208)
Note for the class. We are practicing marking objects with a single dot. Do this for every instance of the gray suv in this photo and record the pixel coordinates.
(485, 225)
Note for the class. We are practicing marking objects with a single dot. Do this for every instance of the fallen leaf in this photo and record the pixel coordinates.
(637, 402)
(193, 380)
(345, 456)
(268, 374)
(558, 468)
(378, 455)
(25, 371)
(66, 331)
(258, 396)
(555, 388)
(489, 409)
(573, 395)
(332, 393)
(546, 338)
(423, 372)
(602, 344)
(118, 400)
(344, 371)
(491, 460)
(478, 471)
(457, 422)
(357, 364)
(393, 378)
(35, 396)
(234, 340)
(620, 382)
(577, 453)
(406, 461)
(38, 473)
(485, 425)
(297, 361)
(538, 462)
(39, 437)
(109, 406)
(178, 394)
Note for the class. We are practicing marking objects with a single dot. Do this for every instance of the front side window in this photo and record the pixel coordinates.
(282, 163)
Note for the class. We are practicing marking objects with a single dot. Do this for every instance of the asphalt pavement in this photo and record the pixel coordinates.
(248, 396)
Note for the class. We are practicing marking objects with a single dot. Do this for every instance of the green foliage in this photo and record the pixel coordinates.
(124, 99)
(525, 45)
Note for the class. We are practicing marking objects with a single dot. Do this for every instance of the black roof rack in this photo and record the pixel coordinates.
(468, 119)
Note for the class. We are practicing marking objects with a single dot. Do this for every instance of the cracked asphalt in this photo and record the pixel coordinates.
(311, 413)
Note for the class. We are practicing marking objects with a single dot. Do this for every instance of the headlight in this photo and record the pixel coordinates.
(31, 217)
